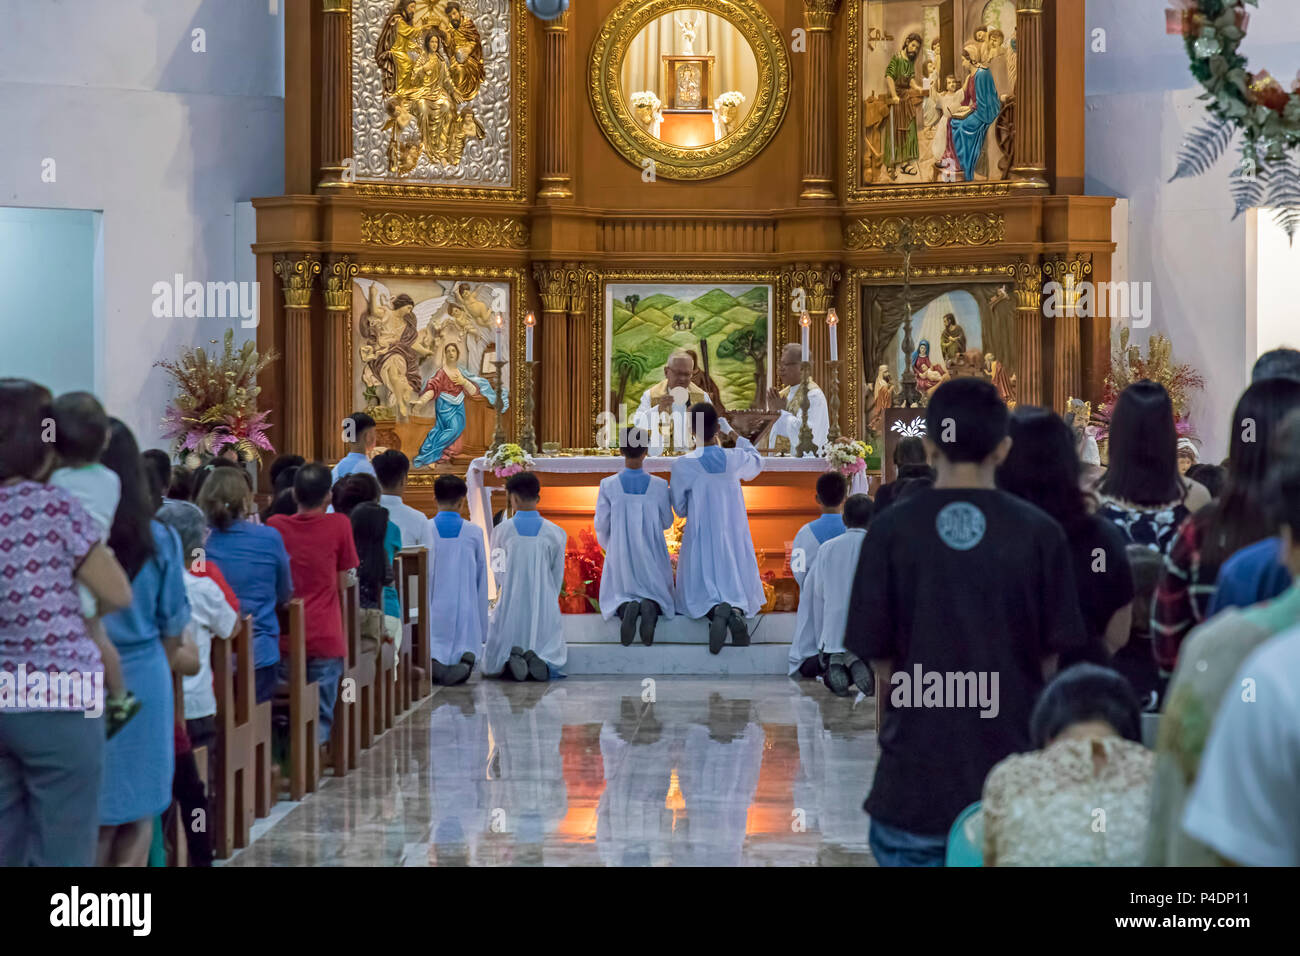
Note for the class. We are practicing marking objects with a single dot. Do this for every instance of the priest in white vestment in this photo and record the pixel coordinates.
(664, 409)
(457, 586)
(632, 512)
(526, 636)
(717, 573)
(824, 607)
(787, 399)
(832, 489)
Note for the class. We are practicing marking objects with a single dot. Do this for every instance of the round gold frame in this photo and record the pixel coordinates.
(675, 162)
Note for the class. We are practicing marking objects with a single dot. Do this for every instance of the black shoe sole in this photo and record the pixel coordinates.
(627, 629)
(518, 668)
(717, 632)
(838, 679)
(863, 678)
(739, 628)
(649, 618)
(537, 669)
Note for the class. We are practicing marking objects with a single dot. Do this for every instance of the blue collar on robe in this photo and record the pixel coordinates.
(714, 459)
(447, 524)
(634, 481)
(528, 523)
(827, 527)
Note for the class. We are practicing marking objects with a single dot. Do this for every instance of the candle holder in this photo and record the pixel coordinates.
(527, 436)
(499, 434)
(833, 369)
(806, 445)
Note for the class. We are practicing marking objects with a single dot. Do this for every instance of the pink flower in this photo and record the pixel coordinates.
(507, 470)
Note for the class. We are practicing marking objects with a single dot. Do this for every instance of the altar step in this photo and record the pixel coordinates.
(681, 647)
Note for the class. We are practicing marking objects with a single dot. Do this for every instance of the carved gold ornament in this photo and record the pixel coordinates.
(439, 231)
(937, 231)
(620, 126)
(297, 271)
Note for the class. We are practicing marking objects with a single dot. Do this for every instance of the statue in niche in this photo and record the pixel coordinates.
(952, 341)
(902, 149)
(689, 22)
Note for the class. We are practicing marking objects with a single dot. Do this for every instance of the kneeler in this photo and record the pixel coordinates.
(412, 586)
(301, 699)
(244, 739)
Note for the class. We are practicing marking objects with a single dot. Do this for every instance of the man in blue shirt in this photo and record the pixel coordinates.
(1255, 573)
(359, 435)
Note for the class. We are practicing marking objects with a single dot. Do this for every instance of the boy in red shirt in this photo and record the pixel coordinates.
(322, 557)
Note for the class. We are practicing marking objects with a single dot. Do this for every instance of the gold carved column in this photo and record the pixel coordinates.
(1067, 358)
(1030, 166)
(556, 178)
(580, 282)
(338, 382)
(1029, 333)
(817, 284)
(297, 271)
(819, 124)
(553, 358)
(336, 95)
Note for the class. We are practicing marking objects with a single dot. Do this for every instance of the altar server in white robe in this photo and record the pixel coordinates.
(718, 775)
(632, 512)
(787, 398)
(526, 635)
(832, 489)
(818, 646)
(717, 573)
(663, 413)
(457, 589)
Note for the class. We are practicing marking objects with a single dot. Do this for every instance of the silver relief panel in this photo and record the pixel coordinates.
(484, 129)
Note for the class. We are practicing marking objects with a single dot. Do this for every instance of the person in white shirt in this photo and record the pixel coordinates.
(391, 468)
(458, 588)
(818, 646)
(717, 573)
(526, 636)
(359, 437)
(662, 413)
(832, 488)
(787, 399)
(632, 512)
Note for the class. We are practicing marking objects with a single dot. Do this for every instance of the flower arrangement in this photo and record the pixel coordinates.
(848, 456)
(729, 100)
(216, 402)
(1127, 365)
(673, 538)
(643, 98)
(509, 459)
(583, 565)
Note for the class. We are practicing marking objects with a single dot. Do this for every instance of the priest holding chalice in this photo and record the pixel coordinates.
(783, 436)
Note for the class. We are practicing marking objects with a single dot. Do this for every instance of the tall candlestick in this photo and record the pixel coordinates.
(832, 321)
(498, 321)
(805, 321)
(529, 322)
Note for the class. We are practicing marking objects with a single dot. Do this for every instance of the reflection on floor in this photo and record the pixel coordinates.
(586, 771)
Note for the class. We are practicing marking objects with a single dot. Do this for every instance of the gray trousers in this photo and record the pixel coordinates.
(50, 769)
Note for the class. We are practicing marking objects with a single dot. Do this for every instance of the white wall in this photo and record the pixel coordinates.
(1141, 103)
(160, 138)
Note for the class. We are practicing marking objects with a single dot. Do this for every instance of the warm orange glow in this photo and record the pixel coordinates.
(687, 129)
(530, 319)
(832, 318)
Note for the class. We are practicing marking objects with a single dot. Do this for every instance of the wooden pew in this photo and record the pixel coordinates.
(383, 689)
(348, 734)
(413, 584)
(302, 701)
(180, 844)
(244, 739)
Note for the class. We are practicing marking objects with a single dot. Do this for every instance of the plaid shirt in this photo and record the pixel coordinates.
(1183, 596)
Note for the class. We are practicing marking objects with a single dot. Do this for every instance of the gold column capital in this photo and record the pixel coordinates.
(818, 14)
(338, 284)
(297, 271)
(336, 6)
(1070, 273)
(1029, 285)
(818, 283)
(559, 25)
(552, 287)
(1029, 6)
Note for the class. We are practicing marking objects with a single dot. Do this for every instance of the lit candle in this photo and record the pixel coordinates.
(805, 321)
(529, 322)
(498, 320)
(833, 320)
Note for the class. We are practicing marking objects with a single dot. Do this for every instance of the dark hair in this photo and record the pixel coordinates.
(1277, 363)
(285, 502)
(361, 423)
(284, 481)
(1239, 518)
(1143, 447)
(181, 487)
(311, 485)
(449, 489)
(130, 537)
(223, 499)
(524, 485)
(400, 300)
(369, 526)
(832, 488)
(858, 510)
(1043, 466)
(1282, 497)
(354, 489)
(282, 464)
(910, 451)
(1085, 692)
(390, 468)
(635, 444)
(975, 415)
(158, 466)
(705, 417)
(1210, 477)
(910, 486)
(25, 408)
(205, 472)
(80, 428)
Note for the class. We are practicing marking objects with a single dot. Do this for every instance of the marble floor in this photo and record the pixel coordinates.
(591, 771)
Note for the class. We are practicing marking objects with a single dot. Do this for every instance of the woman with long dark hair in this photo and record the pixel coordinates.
(139, 761)
(1237, 519)
(1043, 468)
(375, 572)
(1142, 491)
(51, 756)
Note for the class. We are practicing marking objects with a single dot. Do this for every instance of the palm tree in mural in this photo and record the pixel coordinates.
(750, 341)
(626, 366)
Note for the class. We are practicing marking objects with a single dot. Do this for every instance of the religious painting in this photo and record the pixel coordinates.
(956, 330)
(425, 364)
(726, 328)
(935, 89)
(434, 97)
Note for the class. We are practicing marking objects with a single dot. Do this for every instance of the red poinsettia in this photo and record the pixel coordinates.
(583, 564)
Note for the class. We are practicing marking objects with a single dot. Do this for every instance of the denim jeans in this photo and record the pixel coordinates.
(325, 671)
(265, 680)
(894, 847)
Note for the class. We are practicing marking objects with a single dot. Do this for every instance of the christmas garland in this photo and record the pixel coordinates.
(1253, 104)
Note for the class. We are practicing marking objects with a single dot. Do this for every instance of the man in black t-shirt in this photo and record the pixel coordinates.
(962, 600)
